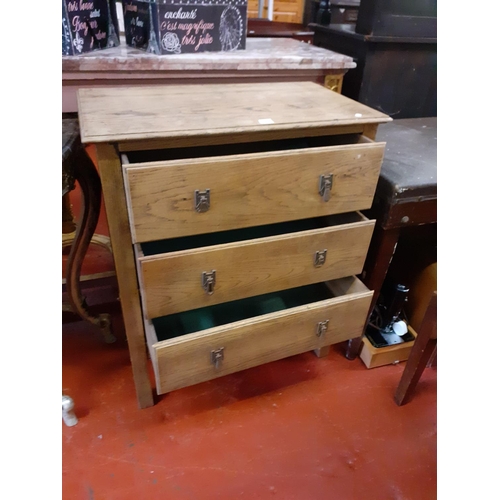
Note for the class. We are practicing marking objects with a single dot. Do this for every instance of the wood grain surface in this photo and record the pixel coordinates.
(171, 282)
(186, 360)
(138, 113)
(248, 190)
(123, 255)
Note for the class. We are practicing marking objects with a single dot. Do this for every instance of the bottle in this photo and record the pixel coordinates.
(324, 14)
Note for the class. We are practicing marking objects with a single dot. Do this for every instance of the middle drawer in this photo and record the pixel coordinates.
(187, 273)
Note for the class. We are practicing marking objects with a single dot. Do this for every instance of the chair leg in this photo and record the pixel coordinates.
(421, 352)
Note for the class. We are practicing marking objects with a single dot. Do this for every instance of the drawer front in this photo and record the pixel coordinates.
(176, 282)
(192, 358)
(248, 190)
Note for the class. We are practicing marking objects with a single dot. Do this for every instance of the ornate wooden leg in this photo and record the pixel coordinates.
(90, 184)
(421, 352)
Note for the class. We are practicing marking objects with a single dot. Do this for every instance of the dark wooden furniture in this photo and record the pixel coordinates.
(394, 74)
(398, 18)
(342, 11)
(78, 167)
(406, 196)
(421, 353)
(258, 28)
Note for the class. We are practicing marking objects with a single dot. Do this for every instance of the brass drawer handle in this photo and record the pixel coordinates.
(325, 186)
(202, 200)
(216, 357)
(322, 327)
(320, 257)
(208, 281)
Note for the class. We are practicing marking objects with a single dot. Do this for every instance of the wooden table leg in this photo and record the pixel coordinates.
(380, 253)
(421, 352)
(110, 169)
(90, 184)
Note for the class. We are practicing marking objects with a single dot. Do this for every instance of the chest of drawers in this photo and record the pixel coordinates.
(234, 216)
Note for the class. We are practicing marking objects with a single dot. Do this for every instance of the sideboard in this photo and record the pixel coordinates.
(264, 60)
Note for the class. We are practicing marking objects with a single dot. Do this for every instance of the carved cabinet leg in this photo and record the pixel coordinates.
(90, 184)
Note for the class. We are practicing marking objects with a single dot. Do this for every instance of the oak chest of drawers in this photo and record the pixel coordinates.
(234, 216)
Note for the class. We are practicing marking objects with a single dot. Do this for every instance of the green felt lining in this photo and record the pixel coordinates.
(179, 324)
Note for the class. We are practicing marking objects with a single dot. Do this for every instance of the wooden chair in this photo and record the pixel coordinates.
(421, 353)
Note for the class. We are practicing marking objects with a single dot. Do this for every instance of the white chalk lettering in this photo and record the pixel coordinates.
(86, 5)
(79, 25)
(180, 14)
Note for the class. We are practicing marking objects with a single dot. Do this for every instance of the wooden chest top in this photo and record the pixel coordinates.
(189, 111)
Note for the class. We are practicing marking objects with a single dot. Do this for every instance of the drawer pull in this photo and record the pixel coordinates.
(217, 356)
(320, 257)
(202, 200)
(325, 186)
(322, 327)
(208, 281)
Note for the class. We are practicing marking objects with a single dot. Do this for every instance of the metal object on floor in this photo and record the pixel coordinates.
(68, 415)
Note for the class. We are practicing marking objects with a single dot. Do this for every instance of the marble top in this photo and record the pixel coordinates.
(260, 54)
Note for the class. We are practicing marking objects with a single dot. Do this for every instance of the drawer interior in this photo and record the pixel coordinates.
(250, 233)
(176, 325)
(243, 148)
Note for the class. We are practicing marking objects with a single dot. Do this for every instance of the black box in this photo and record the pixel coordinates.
(88, 25)
(170, 27)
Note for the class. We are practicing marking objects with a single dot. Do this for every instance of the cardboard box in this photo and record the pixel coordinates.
(169, 27)
(88, 25)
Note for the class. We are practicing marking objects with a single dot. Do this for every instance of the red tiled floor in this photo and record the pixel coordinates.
(300, 428)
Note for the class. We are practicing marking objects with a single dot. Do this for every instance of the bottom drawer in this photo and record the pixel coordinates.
(195, 346)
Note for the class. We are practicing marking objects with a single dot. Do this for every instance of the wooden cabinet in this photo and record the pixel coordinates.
(234, 218)
(284, 11)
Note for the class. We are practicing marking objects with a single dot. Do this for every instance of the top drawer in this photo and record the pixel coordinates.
(172, 198)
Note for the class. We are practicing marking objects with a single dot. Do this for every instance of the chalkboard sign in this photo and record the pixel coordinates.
(171, 27)
(87, 25)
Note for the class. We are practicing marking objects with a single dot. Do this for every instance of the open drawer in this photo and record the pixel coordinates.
(188, 273)
(201, 345)
(187, 195)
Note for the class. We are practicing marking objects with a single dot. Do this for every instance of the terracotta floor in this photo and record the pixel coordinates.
(301, 428)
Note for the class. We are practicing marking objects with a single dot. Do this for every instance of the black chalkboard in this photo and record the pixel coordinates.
(191, 27)
(137, 21)
(87, 25)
